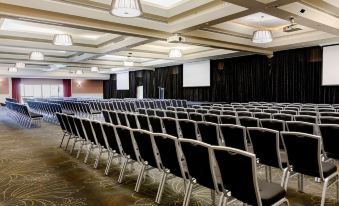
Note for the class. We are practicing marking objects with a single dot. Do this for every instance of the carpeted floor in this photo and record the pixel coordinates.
(34, 171)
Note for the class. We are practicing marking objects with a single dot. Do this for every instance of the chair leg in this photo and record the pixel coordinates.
(300, 182)
(109, 162)
(97, 159)
(225, 201)
(221, 199)
(75, 141)
(62, 140)
(213, 196)
(122, 171)
(283, 178)
(90, 147)
(287, 178)
(70, 137)
(161, 187)
(188, 192)
(80, 149)
(337, 188)
(323, 196)
(140, 178)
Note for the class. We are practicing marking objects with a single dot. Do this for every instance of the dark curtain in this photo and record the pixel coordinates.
(290, 76)
(67, 87)
(16, 94)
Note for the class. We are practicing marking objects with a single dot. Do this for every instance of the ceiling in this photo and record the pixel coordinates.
(212, 28)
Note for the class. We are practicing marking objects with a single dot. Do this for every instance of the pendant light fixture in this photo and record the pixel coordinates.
(126, 8)
(63, 40)
(20, 65)
(262, 37)
(36, 56)
(175, 53)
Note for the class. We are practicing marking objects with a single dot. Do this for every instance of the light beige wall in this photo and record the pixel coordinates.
(5, 88)
(87, 88)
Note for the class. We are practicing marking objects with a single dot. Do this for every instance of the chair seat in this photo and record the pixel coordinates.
(329, 169)
(34, 115)
(271, 193)
(95, 112)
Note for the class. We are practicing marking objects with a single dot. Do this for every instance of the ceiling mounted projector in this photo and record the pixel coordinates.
(293, 27)
(177, 38)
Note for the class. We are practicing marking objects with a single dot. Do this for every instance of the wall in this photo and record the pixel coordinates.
(5, 88)
(87, 88)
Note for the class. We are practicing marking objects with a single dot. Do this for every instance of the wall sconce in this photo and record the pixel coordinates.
(79, 83)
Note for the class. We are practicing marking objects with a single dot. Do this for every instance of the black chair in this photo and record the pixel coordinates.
(255, 110)
(329, 120)
(271, 111)
(209, 133)
(182, 115)
(244, 114)
(128, 148)
(170, 126)
(90, 136)
(63, 127)
(112, 144)
(231, 113)
(274, 124)
(329, 114)
(146, 156)
(142, 111)
(160, 113)
(306, 118)
(122, 118)
(326, 110)
(215, 111)
(262, 115)
(239, 178)
(266, 147)
(307, 161)
(308, 113)
(114, 117)
(150, 112)
(196, 116)
(132, 121)
(249, 122)
(201, 111)
(228, 119)
(156, 124)
(212, 118)
(143, 122)
(304, 127)
(291, 112)
(284, 117)
(199, 167)
(190, 110)
(187, 129)
(330, 139)
(99, 141)
(171, 114)
(234, 136)
(169, 157)
(105, 114)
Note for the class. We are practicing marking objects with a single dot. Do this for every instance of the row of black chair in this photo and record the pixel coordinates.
(22, 115)
(222, 169)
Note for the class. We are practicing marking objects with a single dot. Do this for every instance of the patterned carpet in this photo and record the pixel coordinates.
(34, 171)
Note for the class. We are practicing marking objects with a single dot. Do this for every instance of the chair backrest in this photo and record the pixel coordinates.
(329, 120)
(326, 110)
(71, 123)
(122, 118)
(266, 146)
(98, 134)
(197, 157)
(171, 114)
(196, 116)
(142, 111)
(125, 137)
(105, 114)
(79, 127)
(156, 124)
(170, 126)
(132, 121)
(284, 117)
(150, 112)
(182, 115)
(271, 111)
(62, 125)
(234, 136)
(329, 114)
(86, 124)
(262, 115)
(187, 129)
(169, 154)
(66, 123)
(144, 142)
(306, 118)
(238, 173)
(308, 113)
(249, 121)
(291, 112)
(160, 113)
(232, 113)
(209, 133)
(228, 119)
(306, 160)
(110, 137)
(330, 139)
(212, 118)
(274, 124)
(201, 111)
(114, 117)
(143, 122)
(304, 127)
(215, 111)
(244, 114)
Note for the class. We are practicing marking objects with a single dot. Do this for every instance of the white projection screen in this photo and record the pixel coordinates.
(197, 74)
(330, 65)
(123, 81)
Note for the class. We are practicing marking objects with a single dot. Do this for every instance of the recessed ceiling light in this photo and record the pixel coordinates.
(262, 37)
(20, 65)
(36, 56)
(94, 69)
(126, 8)
(175, 53)
(79, 72)
(63, 40)
(12, 69)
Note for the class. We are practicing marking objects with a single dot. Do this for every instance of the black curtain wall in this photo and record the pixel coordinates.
(290, 76)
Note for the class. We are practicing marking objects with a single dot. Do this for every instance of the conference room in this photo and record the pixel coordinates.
(169, 102)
